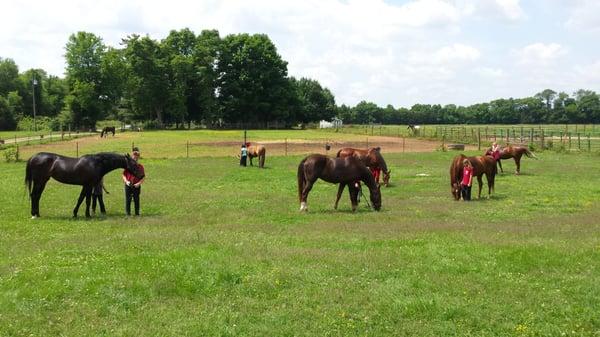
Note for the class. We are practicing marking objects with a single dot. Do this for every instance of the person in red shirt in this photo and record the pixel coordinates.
(467, 180)
(133, 185)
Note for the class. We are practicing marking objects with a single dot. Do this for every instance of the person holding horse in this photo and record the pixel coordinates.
(496, 151)
(133, 184)
(97, 196)
(243, 155)
(467, 180)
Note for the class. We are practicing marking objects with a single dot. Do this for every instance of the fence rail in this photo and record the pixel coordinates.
(562, 137)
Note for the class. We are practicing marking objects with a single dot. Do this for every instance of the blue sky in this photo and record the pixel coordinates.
(386, 52)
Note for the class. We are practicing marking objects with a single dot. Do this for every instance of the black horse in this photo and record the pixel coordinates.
(336, 170)
(86, 171)
(106, 130)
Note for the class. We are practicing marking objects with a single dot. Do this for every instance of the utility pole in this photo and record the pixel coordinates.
(34, 83)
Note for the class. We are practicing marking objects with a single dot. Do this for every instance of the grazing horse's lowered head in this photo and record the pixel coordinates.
(345, 171)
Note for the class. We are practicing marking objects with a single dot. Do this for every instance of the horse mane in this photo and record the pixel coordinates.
(380, 160)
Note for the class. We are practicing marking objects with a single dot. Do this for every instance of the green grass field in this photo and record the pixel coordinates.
(223, 251)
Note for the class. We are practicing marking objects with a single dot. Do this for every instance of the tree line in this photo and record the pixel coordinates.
(206, 79)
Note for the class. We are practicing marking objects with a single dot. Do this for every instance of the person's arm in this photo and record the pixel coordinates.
(139, 182)
(470, 178)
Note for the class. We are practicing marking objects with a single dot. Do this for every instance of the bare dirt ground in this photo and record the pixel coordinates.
(303, 146)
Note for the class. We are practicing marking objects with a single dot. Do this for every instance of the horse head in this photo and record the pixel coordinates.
(456, 190)
(386, 178)
(376, 197)
(132, 166)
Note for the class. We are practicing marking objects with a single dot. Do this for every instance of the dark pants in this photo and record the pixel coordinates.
(243, 160)
(100, 202)
(466, 192)
(132, 192)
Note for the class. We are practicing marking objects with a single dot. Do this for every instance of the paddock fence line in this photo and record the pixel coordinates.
(580, 137)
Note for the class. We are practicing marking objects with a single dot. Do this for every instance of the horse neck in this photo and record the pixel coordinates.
(379, 161)
(369, 180)
(112, 162)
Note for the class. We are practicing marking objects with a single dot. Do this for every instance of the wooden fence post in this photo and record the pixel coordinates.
(187, 149)
(479, 139)
(403, 143)
(589, 144)
(286, 146)
(542, 139)
(76, 149)
(578, 141)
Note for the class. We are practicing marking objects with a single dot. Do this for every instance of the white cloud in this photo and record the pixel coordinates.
(540, 54)
(509, 10)
(584, 16)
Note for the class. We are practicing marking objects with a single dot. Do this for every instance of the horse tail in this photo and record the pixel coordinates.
(301, 178)
(530, 154)
(28, 176)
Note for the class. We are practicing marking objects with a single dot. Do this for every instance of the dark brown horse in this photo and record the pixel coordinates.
(257, 151)
(106, 130)
(515, 152)
(481, 165)
(86, 171)
(336, 170)
(372, 158)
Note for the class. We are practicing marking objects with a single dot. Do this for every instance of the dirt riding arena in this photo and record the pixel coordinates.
(305, 146)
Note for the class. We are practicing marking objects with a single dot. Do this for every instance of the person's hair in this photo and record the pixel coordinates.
(466, 161)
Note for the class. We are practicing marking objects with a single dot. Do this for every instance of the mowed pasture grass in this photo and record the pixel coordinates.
(223, 250)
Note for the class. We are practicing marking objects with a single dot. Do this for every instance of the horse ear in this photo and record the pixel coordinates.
(378, 148)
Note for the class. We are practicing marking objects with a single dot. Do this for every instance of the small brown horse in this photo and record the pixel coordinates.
(336, 170)
(515, 152)
(257, 151)
(481, 165)
(372, 158)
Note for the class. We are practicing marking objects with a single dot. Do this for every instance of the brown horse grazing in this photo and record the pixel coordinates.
(372, 158)
(515, 152)
(86, 171)
(481, 165)
(257, 151)
(336, 170)
(106, 130)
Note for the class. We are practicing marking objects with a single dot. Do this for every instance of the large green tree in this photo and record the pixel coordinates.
(315, 102)
(252, 85)
(84, 54)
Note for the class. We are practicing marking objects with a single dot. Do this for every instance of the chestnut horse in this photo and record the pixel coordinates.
(515, 152)
(257, 151)
(336, 170)
(86, 171)
(372, 158)
(481, 165)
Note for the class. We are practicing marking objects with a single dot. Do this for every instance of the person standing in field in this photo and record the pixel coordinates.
(97, 196)
(496, 151)
(467, 180)
(243, 155)
(133, 185)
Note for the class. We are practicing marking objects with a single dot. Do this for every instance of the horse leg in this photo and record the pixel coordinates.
(36, 194)
(251, 160)
(353, 196)
(518, 163)
(339, 194)
(500, 164)
(490, 182)
(79, 201)
(307, 187)
(88, 198)
(480, 182)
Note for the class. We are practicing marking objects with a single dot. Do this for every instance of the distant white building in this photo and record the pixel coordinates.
(335, 123)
